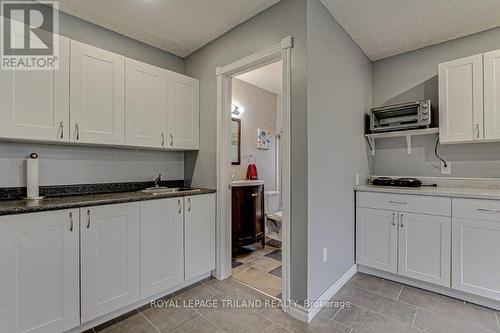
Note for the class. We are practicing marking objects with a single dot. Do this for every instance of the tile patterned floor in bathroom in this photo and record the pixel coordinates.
(377, 306)
(260, 268)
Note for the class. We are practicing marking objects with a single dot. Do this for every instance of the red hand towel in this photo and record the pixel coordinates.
(252, 173)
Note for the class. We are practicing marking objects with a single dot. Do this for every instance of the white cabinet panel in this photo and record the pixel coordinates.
(39, 265)
(183, 111)
(425, 248)
(377, 239)
(199, 243)
(461, 100)
(476, 260)
(492, 95)
(35, 104)
(162, 246)
(97, 95)
(146, 95)
(109, 258)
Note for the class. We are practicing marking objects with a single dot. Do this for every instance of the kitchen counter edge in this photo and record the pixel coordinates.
(450, 192)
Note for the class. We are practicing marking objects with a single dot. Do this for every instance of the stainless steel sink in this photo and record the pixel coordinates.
(165, 190)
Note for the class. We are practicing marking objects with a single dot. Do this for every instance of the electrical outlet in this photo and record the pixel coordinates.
(446, 170)
(325, 254)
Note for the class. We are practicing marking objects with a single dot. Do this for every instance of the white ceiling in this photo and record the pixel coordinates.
(387, 27)
(177, 26)
(267, 77)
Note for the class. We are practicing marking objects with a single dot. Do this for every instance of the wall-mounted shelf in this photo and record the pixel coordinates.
(407, 134)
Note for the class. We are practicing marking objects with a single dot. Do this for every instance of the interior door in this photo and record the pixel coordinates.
(35, 103)
(199, 235)
(146, 104)
(425, 248)
(97, 95)
(109, 258)
(492, 95)
(39, 266)
(162, 245)
(461, 100)
(183, 117)
(476, 261)
(377, 239)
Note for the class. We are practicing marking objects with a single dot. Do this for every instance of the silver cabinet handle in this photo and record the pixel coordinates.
(190, 205)
(171, 139)
(162, 138)
(394, 219)
(398, 202)
(77, 132)
(180, 207)
(401, 216)
(488, 211)
(70, 221)
(476, 131)
(254, 195)
(88, 223)
(61, 128)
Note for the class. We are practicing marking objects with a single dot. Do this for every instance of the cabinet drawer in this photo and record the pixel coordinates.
(488, 210)
(405, 203)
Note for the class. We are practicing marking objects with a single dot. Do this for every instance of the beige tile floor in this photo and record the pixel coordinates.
(260, 269)
(376, 306)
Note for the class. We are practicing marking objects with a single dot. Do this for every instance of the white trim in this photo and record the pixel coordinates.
(298, 312)
(88, 325)
(330, 292)
(281, 50)
(489, 303)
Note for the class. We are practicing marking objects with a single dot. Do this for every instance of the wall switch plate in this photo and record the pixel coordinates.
(325, 254)
(446, 170)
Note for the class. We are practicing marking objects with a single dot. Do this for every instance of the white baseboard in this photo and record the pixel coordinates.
(307, 314)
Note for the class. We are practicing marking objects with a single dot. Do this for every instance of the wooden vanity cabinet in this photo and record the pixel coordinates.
(247, 216)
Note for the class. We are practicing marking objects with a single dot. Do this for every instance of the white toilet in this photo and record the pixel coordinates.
(273, 214)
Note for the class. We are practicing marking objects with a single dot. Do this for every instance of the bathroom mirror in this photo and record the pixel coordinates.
(235, 141)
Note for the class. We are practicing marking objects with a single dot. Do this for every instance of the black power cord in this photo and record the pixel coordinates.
(436, 153)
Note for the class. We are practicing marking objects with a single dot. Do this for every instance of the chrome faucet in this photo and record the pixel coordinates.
(158, 180)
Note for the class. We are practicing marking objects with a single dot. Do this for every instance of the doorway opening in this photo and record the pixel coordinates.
(253, 141)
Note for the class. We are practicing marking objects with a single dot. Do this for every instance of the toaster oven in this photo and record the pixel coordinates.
(401, 116)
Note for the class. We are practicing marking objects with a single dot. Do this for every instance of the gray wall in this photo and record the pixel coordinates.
(74, 164)
(339, 92)
(413, 75)
(287, 18)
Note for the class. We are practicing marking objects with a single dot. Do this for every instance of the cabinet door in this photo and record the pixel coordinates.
(109, 258)
(39, 272)
(377, 239)
(35, 104)
(146, 105)
(492, 95)
(183, 115)
(97, 95)
(425, 248)
(162, 245)
(476, 263)
(461, 100)
(199, 241)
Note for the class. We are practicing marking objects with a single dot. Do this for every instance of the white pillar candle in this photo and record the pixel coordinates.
(32, 176)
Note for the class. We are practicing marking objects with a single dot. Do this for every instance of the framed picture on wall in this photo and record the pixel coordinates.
(263, 139)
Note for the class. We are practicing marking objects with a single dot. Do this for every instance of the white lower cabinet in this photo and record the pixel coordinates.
(162, 245)
(109, 258)
(476, 247)
(39, 263)
(377, 239)
(199, 235)
(425, 247)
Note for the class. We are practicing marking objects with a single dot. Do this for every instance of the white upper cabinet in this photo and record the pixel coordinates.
(461, 100)
(162, 246)
(110, 257)
(199, 235)
(35, 103)
(183, 111)
(39, 265)
(492, 95)
(97, 95)
(146, 105)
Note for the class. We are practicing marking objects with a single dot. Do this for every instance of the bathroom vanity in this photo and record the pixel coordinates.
(247, 213)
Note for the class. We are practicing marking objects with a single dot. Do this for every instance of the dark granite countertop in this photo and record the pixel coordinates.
(21, 206)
